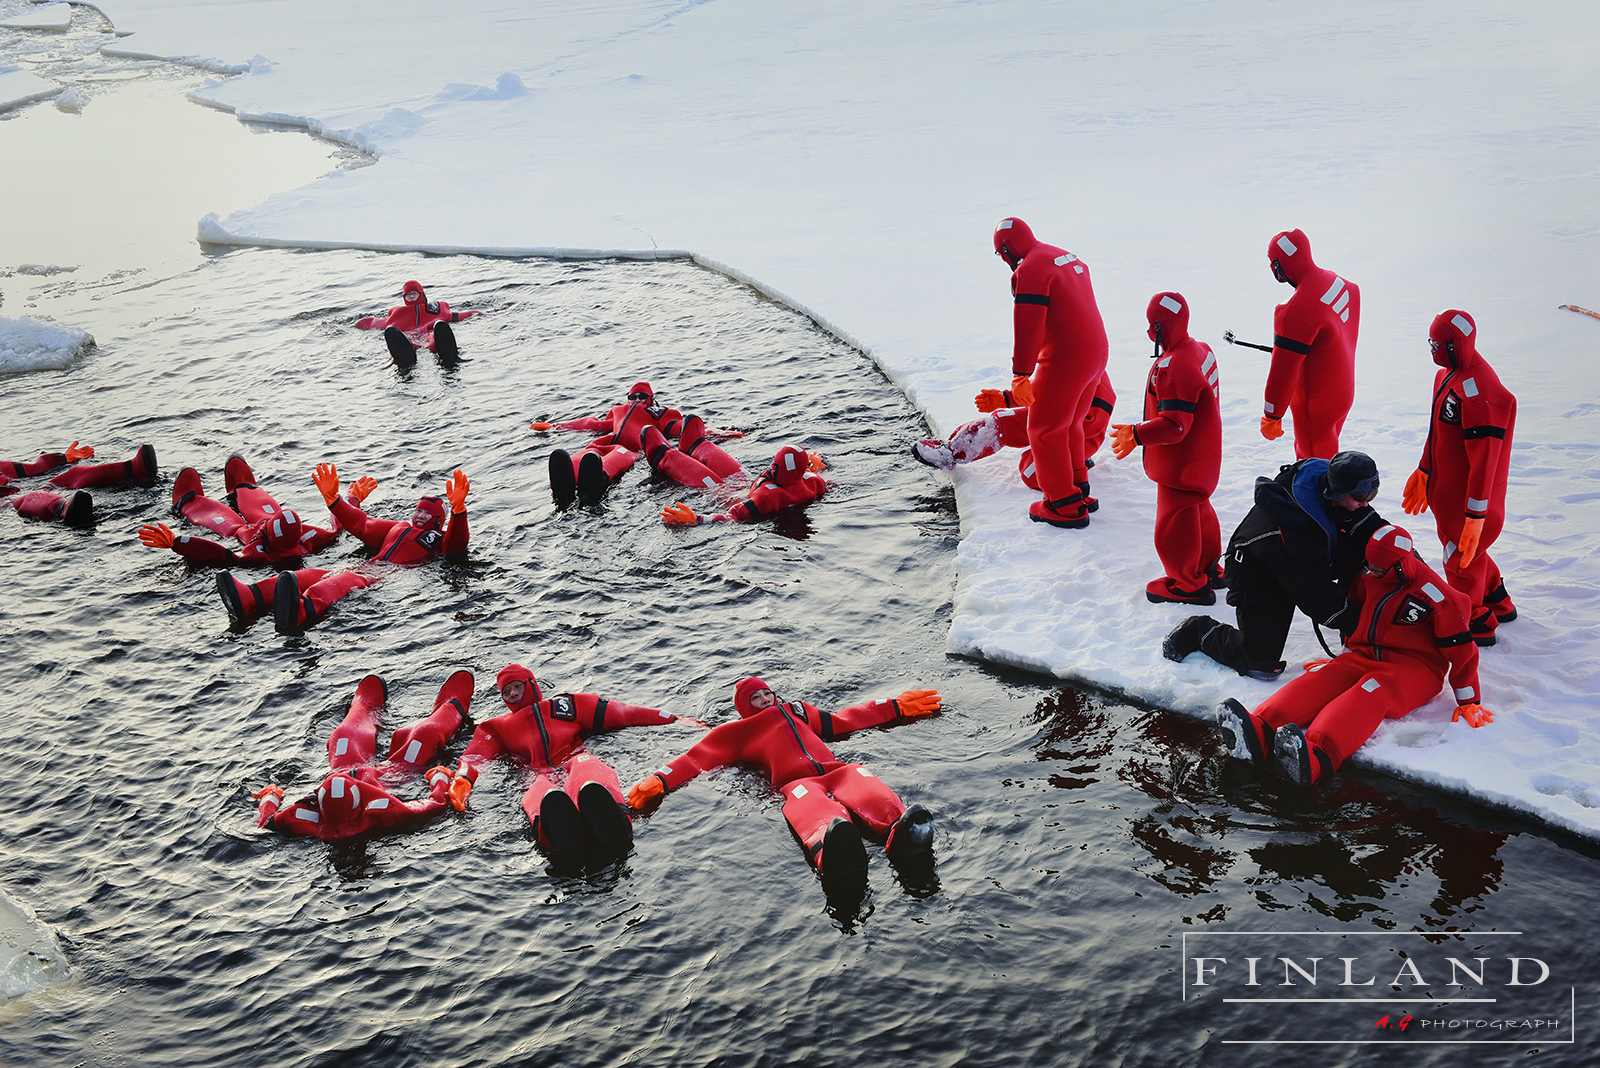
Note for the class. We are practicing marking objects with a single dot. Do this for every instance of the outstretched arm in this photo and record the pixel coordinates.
(908, 705)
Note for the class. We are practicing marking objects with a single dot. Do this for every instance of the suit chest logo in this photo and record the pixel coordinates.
(1413, 610)
(563, 707)
(430, 540)
(1450, 409)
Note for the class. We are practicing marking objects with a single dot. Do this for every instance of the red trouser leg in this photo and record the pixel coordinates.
(811, 804)
(1478, 577)
(615, 460)
(1063, 389)
(213, 515)
(38, 504)
(686, 470)
(323, 592)
(414, 747)
(712, 455)
(1300, 699)
(355, 740)
(977, 439)
(1343, 703)
(585, 768)
(87, 476)
(256, 504)
(1180, 535)
(809, 811)
(542, 784)
(1318, 418)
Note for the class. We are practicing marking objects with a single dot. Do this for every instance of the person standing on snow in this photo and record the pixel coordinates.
(1300, 546)
(1313, 374)
(1411, 632)
(1058, 357)
(1462, 473)
(1182, 439)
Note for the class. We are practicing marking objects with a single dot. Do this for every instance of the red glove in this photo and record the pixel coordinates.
(460, 787)
(642, 793)
(541, 427)
(694, 722)
(1473, 713)
(271, 788)
(726, 435)
(456, 489)
(815, 462)
(1467, 544)
(679, 515)
(326, 476)
(1318, 664)
(918, 702)
(990, 400)
(1022, 390)
(157, 536)
(1415, 498)
(362, 487)
(76, 452)
(1122, 440)
(1271, 429)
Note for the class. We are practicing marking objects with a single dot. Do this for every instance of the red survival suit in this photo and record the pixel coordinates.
(1411, 631)
(141, 469)
(416, 315)
(269, 532)
(1313, 374)
(1060, 341)
(549, 734)
(626, 421)
(353, 800)
(1465, 462)
(788, 482)
(1182, 439)
(696, 461)
(52, 507)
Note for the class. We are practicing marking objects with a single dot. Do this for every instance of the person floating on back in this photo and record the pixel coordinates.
(417, 318)
(793, 479)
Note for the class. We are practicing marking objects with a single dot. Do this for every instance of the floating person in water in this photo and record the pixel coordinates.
(299, 599)
(141, 470)
(268, 533)
(354, 799)
(586, 476)
(417, 318)
(586, 811)
(823, 796)
(52, 507)
(1411, 630)
(624, 422)
(792, 479)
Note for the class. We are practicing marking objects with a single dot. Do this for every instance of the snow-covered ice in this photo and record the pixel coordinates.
(852, 159)
(26, 344)
(55, 16)
(21, 87)
(30, 954)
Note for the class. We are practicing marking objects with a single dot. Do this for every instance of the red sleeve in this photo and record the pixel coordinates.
(316, 539)
(588, 422)
(47, 462)
(386, 811)
(1291, 344)
(857, 717)
(484, 747)
(721, 745)
(1454, 639)
(370, 531)
(600, 714)
(1177, 394)
(201, 551)
(1484, 428)
(1030, 287)
(455, 535)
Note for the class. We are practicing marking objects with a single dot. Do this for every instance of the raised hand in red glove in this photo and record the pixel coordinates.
(456, 490)
(1415, 498)
(326, 476)
(362, 487)
(157, 536)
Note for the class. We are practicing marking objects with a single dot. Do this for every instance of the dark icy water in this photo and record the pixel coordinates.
(1083, 843)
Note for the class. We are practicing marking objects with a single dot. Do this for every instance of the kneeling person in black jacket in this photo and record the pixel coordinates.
(1301, 546)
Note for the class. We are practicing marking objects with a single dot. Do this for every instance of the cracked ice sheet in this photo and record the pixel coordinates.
(855, 158)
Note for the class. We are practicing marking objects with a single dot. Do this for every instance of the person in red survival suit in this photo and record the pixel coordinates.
(1006, 424)
(354, 798)
(1182, 439)
(1462, 473)
(1313, 374)
(1411, 630)
(586, 811)
(300, 599)
(624, 422)
(140, 470)
(268, 533)
(1058, 358)
(52, 507)
(417, 317)
(792, 479)
(587, 476)
(822, 794)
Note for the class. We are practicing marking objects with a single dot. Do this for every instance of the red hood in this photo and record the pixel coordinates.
(1291, 251)
(1013, 239)
(413, 287)
(1170, 312)
(1391, 547)
(789, 465)
(1457, 336)
(282, 532)
(518, 673)
(742, 693)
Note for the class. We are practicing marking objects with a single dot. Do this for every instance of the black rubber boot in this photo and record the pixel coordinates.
(286, 604)
(401, 349)
(842, 861)
(911, 837)
(561, 825)
(80, 510)
(603, 816)
(444, 342)
(563, 484)
(592, 480)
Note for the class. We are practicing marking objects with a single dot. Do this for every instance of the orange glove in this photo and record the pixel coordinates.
(76, 452)
(1415, 498)
(1467, 544)
(990, 400)
(362, 487)
(271, 788)
(1022, 390)
(1271, 429)
(694, 722)
(642, 793)
(326, 476)
(456, 489)
(541, 427)
(157, 536)
(1122, 440)
(726, 435)
(1318, 664)
(1473, 713)
(918, 702)
(439, 779)
(460, 787)
(815, 462)
(679, 514)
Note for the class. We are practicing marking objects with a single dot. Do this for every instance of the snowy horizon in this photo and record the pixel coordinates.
(852, 164)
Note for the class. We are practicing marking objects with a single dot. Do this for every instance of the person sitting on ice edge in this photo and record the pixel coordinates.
(417, 318)
(822, 795)
(268, 533)
(792, 479)
(1411, 629)
(353, 799)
